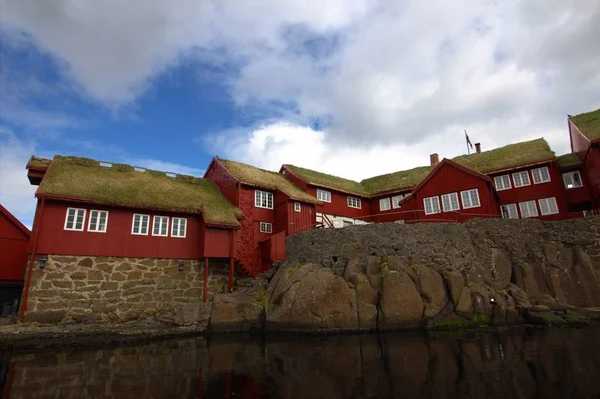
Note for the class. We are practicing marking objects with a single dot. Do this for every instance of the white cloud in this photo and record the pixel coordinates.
(163, 166)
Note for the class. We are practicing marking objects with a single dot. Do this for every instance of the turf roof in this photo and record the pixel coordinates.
(568, 160)
(397, 181)
(121, 185)
(324, 179)
(39, 162)
(588, 124)
(266, 179)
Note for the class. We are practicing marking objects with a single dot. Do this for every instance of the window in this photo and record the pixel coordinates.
(572, 179)
(450, 202)
(354, 202)
(75, 219)
(470, 198)
(297, 206)
(140, 224)
(528, 209)
(266, 227)
(178, 227)
(384, 204)
(161, 226)
(502, 182)
(432, 205)
(521, 179)
(509, 211)
(323, 195)
(263, 199)
(548, 206)
(396, 200)
(98, 221)
(540, 175)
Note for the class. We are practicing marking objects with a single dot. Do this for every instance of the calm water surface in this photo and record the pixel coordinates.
(508, 364)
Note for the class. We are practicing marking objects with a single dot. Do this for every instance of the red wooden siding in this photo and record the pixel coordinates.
(579, 143)
(227, 184)
(272, 249)
(118, 240)
(339, 204)
(14, 245)
(217, 243)
(300, 221)
(592, 170)
(392, 214)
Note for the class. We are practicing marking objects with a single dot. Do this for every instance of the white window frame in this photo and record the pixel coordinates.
(396, 199)
(451, 207)
(550, 202)
(177, 221)
(430, 200)
(77, 211)
(503, 180)
(297, 207)
(266, 227)
(385, 204)
(142, 216)
(526, 204)
(160, 219)
(354, 202)
(97, 229)
(522, 182)
(469, 204)
(512, 207)
(541, 176)
(570, 175)
(323, 195)
(263, 197)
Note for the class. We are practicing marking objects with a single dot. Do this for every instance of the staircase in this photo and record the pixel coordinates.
(323, 222)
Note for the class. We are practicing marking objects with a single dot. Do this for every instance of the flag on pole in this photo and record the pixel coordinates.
(468, 142)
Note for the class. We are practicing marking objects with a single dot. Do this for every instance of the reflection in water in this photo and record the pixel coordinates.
(508, 364)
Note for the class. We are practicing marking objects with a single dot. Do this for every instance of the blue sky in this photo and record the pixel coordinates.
(353, 88)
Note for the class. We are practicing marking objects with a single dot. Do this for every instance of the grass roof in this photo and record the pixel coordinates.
(510, 156)
(397, 181)
(266, 179)
(324, 179)
(39, 162)
(121, 185)
(568, 160)
(588, 124)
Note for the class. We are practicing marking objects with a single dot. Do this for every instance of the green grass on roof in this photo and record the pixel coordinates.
(328, 180)
(121, 185)
(397, 181)
(266, 179)
(568, 160)
(39, 162)
(507, 157)
(589, 124)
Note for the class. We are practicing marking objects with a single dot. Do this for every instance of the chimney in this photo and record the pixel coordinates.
(434, 159)
(477, 148)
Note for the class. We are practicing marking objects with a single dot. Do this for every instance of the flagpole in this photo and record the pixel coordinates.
(467, 140)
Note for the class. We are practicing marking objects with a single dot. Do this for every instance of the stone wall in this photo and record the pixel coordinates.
(112, 289)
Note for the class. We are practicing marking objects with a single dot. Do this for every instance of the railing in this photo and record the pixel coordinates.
(325, 222)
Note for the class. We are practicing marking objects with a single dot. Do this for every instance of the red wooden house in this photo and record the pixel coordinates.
(273, 207)
(14, 244)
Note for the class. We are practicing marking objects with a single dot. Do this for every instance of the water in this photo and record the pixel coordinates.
(507, 364)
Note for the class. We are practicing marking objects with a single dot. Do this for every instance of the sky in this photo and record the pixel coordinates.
(352, 88)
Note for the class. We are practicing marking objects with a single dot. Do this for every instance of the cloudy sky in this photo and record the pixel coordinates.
(353, 88)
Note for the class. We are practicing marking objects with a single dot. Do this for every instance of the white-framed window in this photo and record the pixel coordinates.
(263, 199)
(450, 202)
(384, 204)
(432, 205)
(502, 182)
(540, 175)
(509, 211)
(470, 198)
(521, 179)
(572, 179)
(140, 224)
(297, 207)
(75, 219)
(160, 226)
(396, 200)
(323, 195)
(98, 221)
(266, 227)
(354, 202)
(548, 206)
(528, 209)
(178, 227)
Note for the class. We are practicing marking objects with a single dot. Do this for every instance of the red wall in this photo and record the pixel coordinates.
(339, 205)
(579, 194)
(14, 245)
(217, 243)
(227, 184)
(392, 214)
(118, 240)
(592, 170)
(579, 143)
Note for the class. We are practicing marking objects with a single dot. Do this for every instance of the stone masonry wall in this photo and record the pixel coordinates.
(112, 289)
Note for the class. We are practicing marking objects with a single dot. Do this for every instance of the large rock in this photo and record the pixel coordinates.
(433, 291)
(401, 305)
(502, 269)
(455, 284)
(464, 308)
(238, 311)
